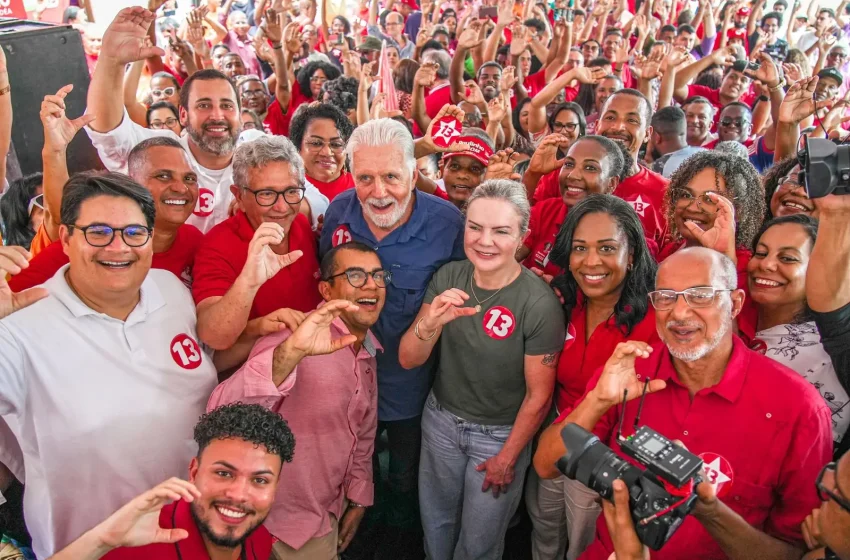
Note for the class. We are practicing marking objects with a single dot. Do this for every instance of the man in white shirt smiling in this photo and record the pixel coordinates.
(101, 375)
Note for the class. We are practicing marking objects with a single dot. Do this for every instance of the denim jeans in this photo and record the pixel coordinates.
(460, 521)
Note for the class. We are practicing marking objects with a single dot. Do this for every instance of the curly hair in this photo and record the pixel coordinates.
(771, 181)
(304, 75)
(249, 422)
(633, 304)
(306, 114)
(14, 214)
(742, 185)
(341, 93)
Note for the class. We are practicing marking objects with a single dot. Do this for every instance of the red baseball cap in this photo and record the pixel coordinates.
(477, 150)
(411, 3)
(745, 11)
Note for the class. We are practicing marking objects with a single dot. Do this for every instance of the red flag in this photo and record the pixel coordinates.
(387, 85)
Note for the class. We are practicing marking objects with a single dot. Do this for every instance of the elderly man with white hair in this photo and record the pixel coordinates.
(414, 234)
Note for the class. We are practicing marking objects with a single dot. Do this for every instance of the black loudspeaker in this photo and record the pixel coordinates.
(42, 58)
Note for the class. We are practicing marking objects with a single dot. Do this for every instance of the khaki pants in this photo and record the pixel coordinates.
(317, 548)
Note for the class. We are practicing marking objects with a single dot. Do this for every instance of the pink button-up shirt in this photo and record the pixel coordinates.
(331, 405)
(245, 50)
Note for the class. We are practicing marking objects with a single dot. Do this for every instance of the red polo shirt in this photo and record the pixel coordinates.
(436, 98)
(258, 546)
(644, 191)
(767, 421)
(582, 357)
(545, 223)
(178, 260)
(344, 182)
(223, 254)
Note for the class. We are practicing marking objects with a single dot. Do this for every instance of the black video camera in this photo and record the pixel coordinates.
(656, 512)
(825, 166)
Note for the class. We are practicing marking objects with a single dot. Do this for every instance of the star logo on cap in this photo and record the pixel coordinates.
(640, 205)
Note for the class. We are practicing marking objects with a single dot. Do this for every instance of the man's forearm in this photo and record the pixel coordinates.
(103, 102)
(55, 169)
(685, 75)
(740, 540)
(284, 361)
(828, 274)
(417, 108)
(221, 323)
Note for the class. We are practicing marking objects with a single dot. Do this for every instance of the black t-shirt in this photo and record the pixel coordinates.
(777, 50)
(834, 328)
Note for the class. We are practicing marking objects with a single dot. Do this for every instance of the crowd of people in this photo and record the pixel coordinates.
(348, 271)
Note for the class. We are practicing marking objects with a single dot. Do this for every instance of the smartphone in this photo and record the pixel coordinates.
(754, 66)
(560, 14)
(336, 39)
(488, 12)
(569, 14)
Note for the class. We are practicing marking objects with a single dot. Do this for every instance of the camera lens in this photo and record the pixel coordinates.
(592, 463)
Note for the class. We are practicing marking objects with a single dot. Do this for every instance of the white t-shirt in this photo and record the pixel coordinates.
(214, 196)
(102, 409)
(799, 348)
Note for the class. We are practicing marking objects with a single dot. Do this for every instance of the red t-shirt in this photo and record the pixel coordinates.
(178, 260)
(342, 183)
(179, 516)
(276, 120)
(436, 98)
(224, 251)
(769, 423)
(582, 358)
(545, 223)
(713, 95)
(535, 82)
(644, 191)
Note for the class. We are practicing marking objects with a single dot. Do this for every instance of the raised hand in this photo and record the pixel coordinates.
(428, 139)
(182, 48)
(262, 49)
(271, 26)
(475, 96)
(426, 75)
(58, 129)
(444, 309)
(313, 336)
(721, 235)
(263, 263)
(793, 72)
(674, 57)
(768, 72)
(505, 12)
(497, 108)
(587, 75)
(725, 56)
(13, 260)
(501, 165)
(293, 39)
(509, 78)
(124, 39)
(618, 374)
(470, 37)
(195, 26)
(424, 35)
(545, 157)
(377, 111)
(799, 102)
(520, 40)
(366, 76)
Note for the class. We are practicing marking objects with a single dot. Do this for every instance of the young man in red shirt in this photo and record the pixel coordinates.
(219, 512)
(262, 259)
(160, 165)
(707, 389)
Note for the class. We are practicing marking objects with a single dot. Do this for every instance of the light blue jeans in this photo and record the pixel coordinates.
(460, 521)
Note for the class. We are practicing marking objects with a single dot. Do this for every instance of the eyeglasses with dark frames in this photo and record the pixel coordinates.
(558, 127)
(357, 277)
(101, 235)
(824, 493)
(268, 197)
(699, 296)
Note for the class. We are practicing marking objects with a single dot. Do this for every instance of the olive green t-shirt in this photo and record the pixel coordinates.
(481, 371)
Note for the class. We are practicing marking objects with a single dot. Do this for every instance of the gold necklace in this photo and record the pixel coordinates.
(472, 286)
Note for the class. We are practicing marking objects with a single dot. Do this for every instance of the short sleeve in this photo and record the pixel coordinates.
(114, 146)
(331, 221)
(318, 203)
(213, 273)
(544, 326)
(439, 283)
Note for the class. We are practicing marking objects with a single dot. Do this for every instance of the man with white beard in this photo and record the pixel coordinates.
(760, 428)
(414, 234)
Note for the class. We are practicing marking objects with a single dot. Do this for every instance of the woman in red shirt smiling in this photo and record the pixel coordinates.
(611, 271)
(320, 134)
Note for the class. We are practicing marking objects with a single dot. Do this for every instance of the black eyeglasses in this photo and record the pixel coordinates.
(700, 296)
(824, 493)
(357, 277)
(268, 197)
(100, 235)
(557, 127)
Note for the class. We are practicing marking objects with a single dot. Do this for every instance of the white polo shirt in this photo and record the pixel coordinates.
(214, 196)
(102, 409)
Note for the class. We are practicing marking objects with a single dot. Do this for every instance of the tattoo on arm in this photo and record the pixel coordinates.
(550, 359)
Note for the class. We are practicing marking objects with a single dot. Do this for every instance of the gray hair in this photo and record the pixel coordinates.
(262, 151)
(511, 192)
(378, 133)
(733, 148)
(442, 58)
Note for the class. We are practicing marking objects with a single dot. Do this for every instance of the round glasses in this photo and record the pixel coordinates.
(268, 197)
(701, 296)
(684, 198)
(357, 277)
(253, 93)
(99, 235)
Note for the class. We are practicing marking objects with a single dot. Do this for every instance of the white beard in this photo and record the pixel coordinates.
(387, 221)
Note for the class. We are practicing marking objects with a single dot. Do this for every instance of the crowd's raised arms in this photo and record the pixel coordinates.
(443, 279)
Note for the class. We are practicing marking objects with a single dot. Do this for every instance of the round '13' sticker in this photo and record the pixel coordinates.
(340, 235)
(718, 472)
(185, 351)
(499, 322)
(206, 203)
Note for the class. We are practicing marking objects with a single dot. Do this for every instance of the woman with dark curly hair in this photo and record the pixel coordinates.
(22, 210)
(776, 319)
(784, 195)
(320, 134)
(342, 94)
(610, 271)
(309, 81)
(714, 200)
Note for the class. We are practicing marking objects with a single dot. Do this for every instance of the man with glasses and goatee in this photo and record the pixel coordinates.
(102, 378)
(323, 379)
(763, 431)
